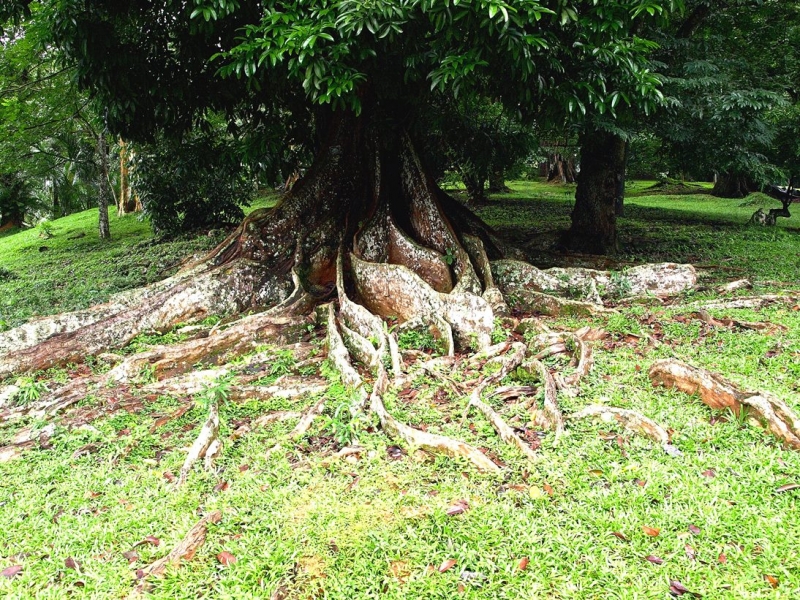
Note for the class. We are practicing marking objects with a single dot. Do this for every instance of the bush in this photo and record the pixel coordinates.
(199, 181)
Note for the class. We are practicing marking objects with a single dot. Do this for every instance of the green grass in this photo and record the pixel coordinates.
(74, 269)
(376, 527)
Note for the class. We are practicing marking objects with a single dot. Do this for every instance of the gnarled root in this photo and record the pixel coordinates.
(719, 393)
(207, 445)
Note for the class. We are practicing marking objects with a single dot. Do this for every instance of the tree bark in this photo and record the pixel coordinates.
(105, 189)
(594, 219)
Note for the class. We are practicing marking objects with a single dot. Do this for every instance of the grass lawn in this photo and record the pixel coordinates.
(603, 514)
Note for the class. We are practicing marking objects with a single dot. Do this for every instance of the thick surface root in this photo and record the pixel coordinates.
(720, 394)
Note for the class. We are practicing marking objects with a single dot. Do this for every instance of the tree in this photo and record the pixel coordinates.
(48, 132)
(727, 92)
(366, 224)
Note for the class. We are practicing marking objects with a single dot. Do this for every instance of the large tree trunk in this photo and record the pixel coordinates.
(733, 185)
(594, 218)
(368, 228)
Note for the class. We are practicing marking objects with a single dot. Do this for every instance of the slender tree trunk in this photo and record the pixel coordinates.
(594, 219)
(475, 188)
(127, 201)
(105, 188)
(497, 181)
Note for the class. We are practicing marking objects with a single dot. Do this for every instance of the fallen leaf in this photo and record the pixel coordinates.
(694, 529)
(131, 556)
(773, 581)
(243, 468)
(788, 488)
(221, 486)
(691, 553)
(57, 516)
(656, 560)
(11, 571)
(651, 531)
(150, 539)
(676, 588)
(596, 472)
(619, 535)
(73, 564)
(226, 559)
(722, 558)
(523, 563)
(447, 565)
(710, 473)
(457, 508)
(169, 476)
(548, 489)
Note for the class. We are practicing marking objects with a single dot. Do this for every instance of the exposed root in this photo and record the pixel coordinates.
(550, 416)
(719, 393)
(265, 421)
(222, 291)
(239, 337)
(767, 327)
(25, 439)
(748, 302)
(733, 286)
(338, 354)
(196, 382)
(185, 550)
(395, 291)
(415, 438)
(630, 420)
(533, 290)
(207, 445)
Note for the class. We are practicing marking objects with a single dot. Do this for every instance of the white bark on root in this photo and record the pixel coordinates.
(206, 446)
(765, 326)
(223, 291)
(554, 419)
(393, 290)
(733, 286)
(265, 421)
(748, 302)
(719, 393)
(534, 290)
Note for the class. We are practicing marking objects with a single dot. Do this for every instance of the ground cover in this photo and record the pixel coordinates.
(602, 514)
